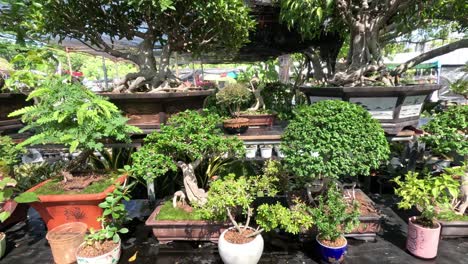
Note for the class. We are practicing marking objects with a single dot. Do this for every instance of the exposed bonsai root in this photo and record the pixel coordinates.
(178, 196)
(194, 194)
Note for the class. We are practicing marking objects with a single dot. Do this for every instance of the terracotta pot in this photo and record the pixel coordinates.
(181, 230)
(421, 241)
(248, 253)
(260, 119)
(111, 257)
(64, 240)
(236, 125)
(2, 244)
(332, 254)
(59, 209)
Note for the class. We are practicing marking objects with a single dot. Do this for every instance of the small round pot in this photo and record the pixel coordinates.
(266, 151)
(64, 240)
(422, 242)
(251, 151)
(332, 254)
(111, 257)
(236, 125)
(248, 253)
(2, 244)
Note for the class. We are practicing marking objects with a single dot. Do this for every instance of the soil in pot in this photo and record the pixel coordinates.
(233, 236)
(91, 251)
(341, 241)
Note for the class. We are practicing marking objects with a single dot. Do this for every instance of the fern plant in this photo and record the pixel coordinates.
(71, 115)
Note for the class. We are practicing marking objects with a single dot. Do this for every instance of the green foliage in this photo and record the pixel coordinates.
(9, 152)
(278, 98)
(168, 212)
(333, 216)
(292, 220)
(447, 131)
(426, 193)
(333, 139)
(265, 72)
(28, 175)
(234, 97)
(460, 87)
(113, 217)
(112, 159)
(188, 136)
(70, 114)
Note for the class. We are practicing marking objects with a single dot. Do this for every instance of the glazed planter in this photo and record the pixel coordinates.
(111, 257)
(332, 254)
(248, 253)
(185, 230)
(2, 244)
(236, 125)
(266, 151)
(251, 151)
(395, 107)
(10, 102)
(150, 110)
(260, 119)
(59, 209)
(422, 242)
(453, 229)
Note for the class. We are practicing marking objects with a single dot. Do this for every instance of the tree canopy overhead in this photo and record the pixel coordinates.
(191, 26)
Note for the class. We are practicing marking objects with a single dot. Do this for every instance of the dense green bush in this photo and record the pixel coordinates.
(333, 139)
(9, 153)
(448, 131)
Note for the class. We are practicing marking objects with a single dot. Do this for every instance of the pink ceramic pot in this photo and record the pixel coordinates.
(422, 242)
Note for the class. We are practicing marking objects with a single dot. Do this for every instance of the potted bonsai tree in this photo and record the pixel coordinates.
(234, 97)
(446, 134)
(333, 218)
(71, 115)
(426, 194)
(332, 139)
(189, 140)
(104, 246)
(233, 197)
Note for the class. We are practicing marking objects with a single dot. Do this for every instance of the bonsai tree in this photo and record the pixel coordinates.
(332, 139)
(234, 97)
(188, 139)
(233, 197)
(447, 132)
(427, 194)
(71, 115)
(113, 217)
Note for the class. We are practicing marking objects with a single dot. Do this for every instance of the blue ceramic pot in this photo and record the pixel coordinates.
(332, 254)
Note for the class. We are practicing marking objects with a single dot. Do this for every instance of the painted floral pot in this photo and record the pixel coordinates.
(422, 242)
(111, 257)
(248, 253)
(332, 254)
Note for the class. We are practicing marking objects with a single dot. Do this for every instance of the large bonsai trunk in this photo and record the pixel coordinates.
(194, 194)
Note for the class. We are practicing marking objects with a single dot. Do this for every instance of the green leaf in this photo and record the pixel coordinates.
(27, 197)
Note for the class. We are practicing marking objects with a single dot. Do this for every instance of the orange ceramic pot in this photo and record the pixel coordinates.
(59, 209)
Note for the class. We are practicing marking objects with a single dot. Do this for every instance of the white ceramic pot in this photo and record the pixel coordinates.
(279, 153)
(251, 151)
(248, 253)
(111, 257)
(266, 152)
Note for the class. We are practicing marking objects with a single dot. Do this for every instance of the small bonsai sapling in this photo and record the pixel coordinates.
(188, 139)
(9, 152)
(330, 139)
(74, 116)
(333, 217)
(447, 132)
(234, 97)
(233, 196)
(112, 220)
(428, 194)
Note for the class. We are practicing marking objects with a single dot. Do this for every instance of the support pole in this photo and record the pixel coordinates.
(104, 69)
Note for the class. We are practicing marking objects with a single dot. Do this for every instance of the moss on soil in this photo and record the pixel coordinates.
(168, 212)
(451, 216)
(53, 187)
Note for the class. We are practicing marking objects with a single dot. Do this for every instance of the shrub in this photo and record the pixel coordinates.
(447, 132)
(333, 139)
(234, 97)
(9, 152)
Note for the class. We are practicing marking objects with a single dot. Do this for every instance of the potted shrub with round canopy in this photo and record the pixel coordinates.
(72, 116)
(234, 97)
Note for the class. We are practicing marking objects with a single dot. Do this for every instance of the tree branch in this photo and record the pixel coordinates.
(463, 43)
(233, 220)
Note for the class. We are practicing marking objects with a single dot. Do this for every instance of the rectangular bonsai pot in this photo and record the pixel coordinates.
(370, 224)
(260, 119)
(58, 209)
(180, 230)
(453, 229)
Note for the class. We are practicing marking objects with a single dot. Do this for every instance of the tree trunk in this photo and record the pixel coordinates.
(75, 164)
(194, 194)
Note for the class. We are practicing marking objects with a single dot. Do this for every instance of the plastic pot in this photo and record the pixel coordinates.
(111, 257)
(422, 242)
(251, 151)
(2, 244)
(65, 239)
(332, 254)
(279, 153)
(248, 253)
(266, 151)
